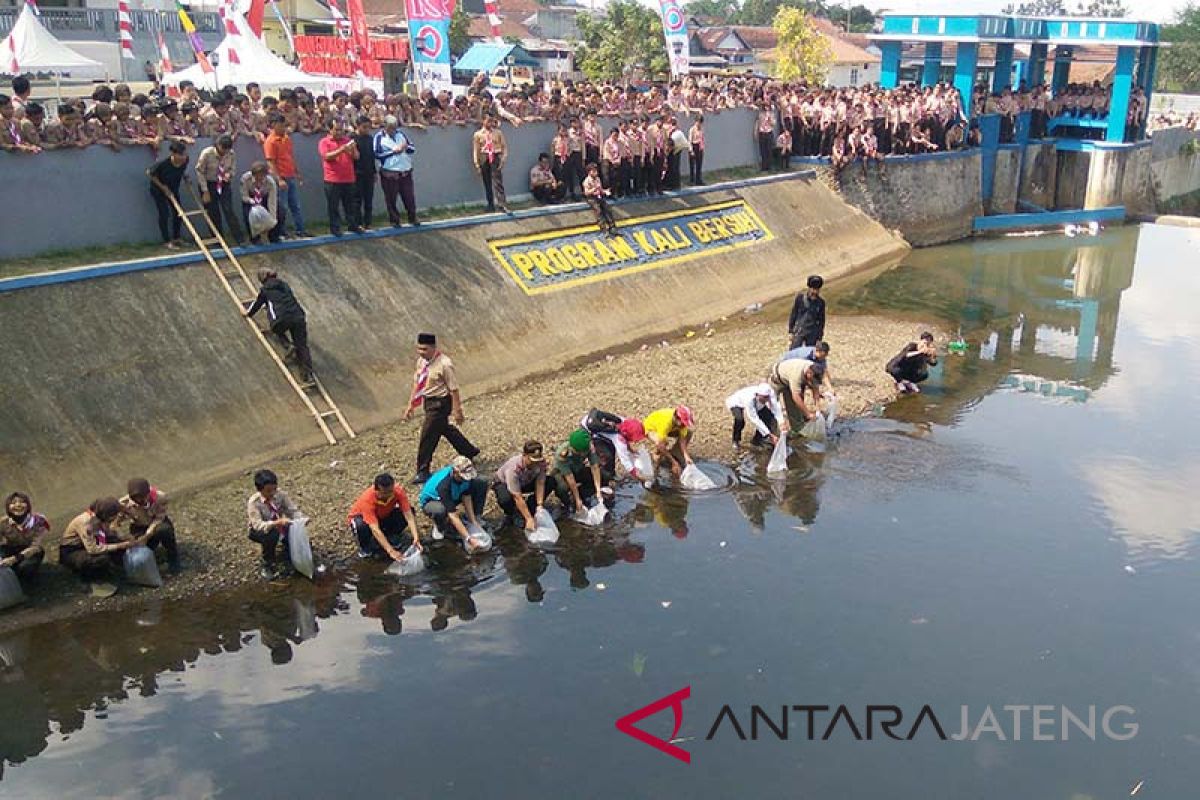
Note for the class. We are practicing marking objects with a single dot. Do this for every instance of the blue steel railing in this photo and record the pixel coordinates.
(997, 27)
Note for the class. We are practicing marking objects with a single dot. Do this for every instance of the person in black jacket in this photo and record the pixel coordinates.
(806, 325)
(286, 318)
(364, 170)
(911, 365)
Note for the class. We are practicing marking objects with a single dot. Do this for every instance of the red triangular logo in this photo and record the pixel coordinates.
(675, 701)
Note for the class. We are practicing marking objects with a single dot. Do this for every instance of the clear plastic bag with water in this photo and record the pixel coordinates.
(779, 457)
(593, 516)
(693, 478)
(412, 563)
(141, 568)
(545, 532)
(831, 410)
(478, 539)
(815, 429)
(261, 220)
(300, 548)
(643, 464)
(10, 588)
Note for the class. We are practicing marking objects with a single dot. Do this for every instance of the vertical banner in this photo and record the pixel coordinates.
(429, 29)
(675, 32)
(360, 39)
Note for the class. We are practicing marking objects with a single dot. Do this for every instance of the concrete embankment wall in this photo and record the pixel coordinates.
(154, 372)
(69, 199)
(929, 199)
(1175, 166)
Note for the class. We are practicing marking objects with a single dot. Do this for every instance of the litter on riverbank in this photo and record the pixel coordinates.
(699, 367)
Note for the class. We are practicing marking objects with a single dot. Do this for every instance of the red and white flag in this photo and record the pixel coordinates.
(231, 32)
(164, 64)
(493, 15)
(33, 4)
(125, 29)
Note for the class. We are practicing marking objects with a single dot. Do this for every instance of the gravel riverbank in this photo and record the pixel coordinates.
(698, 367)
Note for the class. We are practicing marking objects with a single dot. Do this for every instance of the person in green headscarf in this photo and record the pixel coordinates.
(576, 470)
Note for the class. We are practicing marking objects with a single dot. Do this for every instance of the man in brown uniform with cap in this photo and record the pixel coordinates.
(435, 387)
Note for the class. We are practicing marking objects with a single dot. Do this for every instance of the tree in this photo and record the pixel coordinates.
(1037, 8)
(1179, 64)
(803, 52)
(460, 31)
(626, 37)
(1103, 8)
(723, 10)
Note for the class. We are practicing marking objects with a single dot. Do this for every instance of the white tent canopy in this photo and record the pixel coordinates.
(255, 64)
(37, 50)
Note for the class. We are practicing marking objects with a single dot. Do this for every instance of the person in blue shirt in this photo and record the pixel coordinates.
(447, 489)
(394, 153)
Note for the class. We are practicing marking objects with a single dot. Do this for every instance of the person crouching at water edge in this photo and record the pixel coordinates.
(379, 518)
(670, 431)
(22, 537)
(577, 471)
(435, 387)
(911, 365)
(269, 514)
(615, 438)
(818, 354)
(597, 197)
(447, 489)
(790, 378)
(145, 507)
(760, 406)
(521, 483)
(92, 546)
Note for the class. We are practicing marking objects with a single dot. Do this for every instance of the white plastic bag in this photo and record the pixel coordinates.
(412, 563)
(478, 540)
(693, 478)
(831, 409)
(814, 429)
(546, 531)
(141, 568)
(779, 457)
(10, 588)
(593, 516)
(300, 548)
(261, 220)
(643, 464)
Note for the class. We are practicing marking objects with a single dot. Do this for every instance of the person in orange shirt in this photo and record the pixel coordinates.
(280, 155)
(379, 518)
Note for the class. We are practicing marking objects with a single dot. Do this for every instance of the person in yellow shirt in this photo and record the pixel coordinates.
(670, 431)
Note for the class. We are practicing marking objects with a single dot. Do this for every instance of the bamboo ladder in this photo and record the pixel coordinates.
(316, 399)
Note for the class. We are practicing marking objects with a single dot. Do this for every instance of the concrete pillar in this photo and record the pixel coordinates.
(889, 68)
(933, 64)
(1036, 71)
(1002, 77)
(1062, 69)
(1122, 85)
(965, 62)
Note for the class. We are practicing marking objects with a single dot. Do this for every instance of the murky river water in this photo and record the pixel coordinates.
(1022, 533)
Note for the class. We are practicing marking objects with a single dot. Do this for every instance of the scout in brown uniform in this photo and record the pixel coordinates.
(91, 545)
(10, 130)
(488, 152)
(435, 387)
(146, 509)
(22, 536)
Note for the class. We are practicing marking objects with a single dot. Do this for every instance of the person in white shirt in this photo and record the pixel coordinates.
(760, 406)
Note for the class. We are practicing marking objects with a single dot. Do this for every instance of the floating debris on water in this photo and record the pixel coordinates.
(639, 664)
(1137, 788)
(1129, 568)
(666, 603)
(600, 587)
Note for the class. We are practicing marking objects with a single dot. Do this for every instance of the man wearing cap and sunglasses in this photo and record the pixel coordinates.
(669, 431)
(447, 489)
(521, 484)
(435, 387)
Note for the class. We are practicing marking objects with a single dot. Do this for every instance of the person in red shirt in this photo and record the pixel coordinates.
(338, 154)
(379, 518)
(277, 148)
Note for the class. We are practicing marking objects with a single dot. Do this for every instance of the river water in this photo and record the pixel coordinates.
(1024, 532)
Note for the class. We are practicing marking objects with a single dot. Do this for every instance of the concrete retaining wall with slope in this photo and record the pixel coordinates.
(154, 373)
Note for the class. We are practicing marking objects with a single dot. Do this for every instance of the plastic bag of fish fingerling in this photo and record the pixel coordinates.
(831, 410)
(814, 429)
(694, 478)
(643, 464)
(10, 589)
(300, 548)
(779, 457)
(261, 220)
(478, 539)
(141, 568)
(546, 531)
(412, 563)
(593, 516)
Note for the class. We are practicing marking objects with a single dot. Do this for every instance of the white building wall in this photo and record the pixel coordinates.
(860, 74)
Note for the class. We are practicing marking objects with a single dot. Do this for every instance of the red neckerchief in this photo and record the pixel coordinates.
(418, 395)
